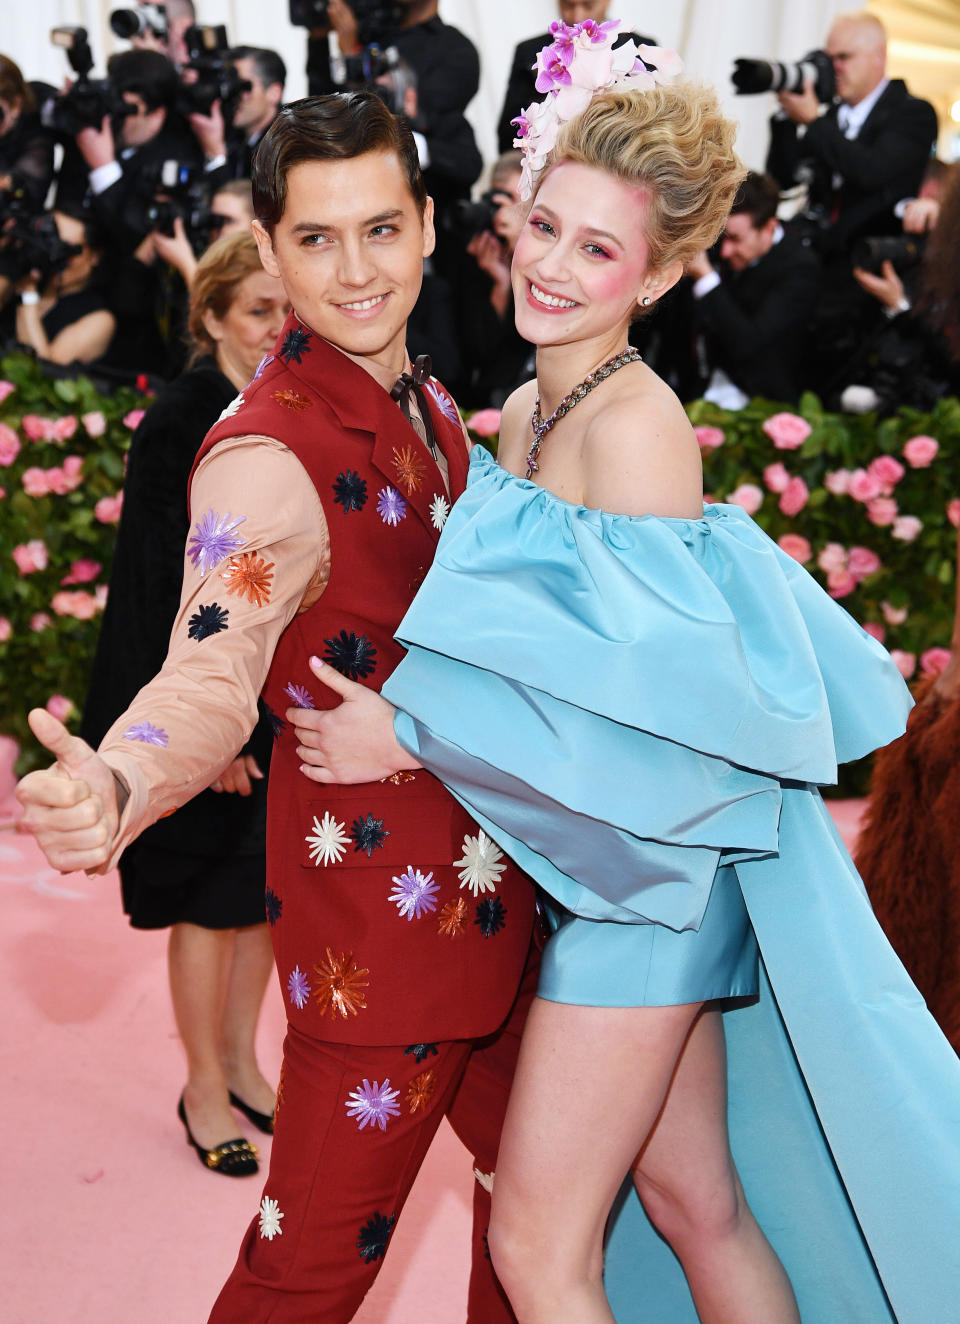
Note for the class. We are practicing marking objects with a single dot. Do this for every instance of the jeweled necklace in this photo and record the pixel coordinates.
(592, 379)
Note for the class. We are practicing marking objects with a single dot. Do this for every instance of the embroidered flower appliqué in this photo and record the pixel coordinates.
(329, 841)
(270, 1217)
(446, 406)
(373, 1237)
(250, 577)
(452, 919)
(410, 468)
(480, 866)
(273, 905)
(299, 696)
(277, 724)
(439, 510)
(368, 834)
(340, 985)
(391, 506)
(263, 365)
(291, 400)
(400, 778)
(491, 916)
(420, 1051)
(414, 893)
(298, 988)
(350, 490)
(352, 654)
(147, 733)
(214, 540)
(295, 344)
(236, 403)
(421, 1090)
(373, 1104)
(206, 621)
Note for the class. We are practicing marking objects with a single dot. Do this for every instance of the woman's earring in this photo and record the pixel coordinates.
(646, 301)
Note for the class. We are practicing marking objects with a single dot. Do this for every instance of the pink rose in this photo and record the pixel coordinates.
(485, 422)
(73, 465)
(748, 496)
(794, 497)
(840, 583)
(933, 661)
(875, 631)
(864, 486)
(906, 527)
(953, 512)
(9, 445)
(888, 470)
(82, 571)
(36, 428)
(833, 556)
(920, 452)
(65, 427)
(6, 388)
(59, 706)
(6, 629)
(837, 482)
(35, 481)
(893, 615)
(31, 556)
(95, 423)
(132, 420)
(787, 431)
(83, 606)
(776, 477)
(39, 621)
(709, 438)
(882, 511)
(796, 546)
(57, 482)
(906, 663)
(107, 509)
(861, 562)
(100, 596)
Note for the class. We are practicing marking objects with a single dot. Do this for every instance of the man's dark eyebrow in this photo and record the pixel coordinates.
(314, 226)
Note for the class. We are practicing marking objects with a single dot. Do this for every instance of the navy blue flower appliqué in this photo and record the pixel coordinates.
(373, 1238)
(491, 916)
(420, 1051)
(277, 724)
(295, 344)
(350, 490)
(368, 834)
(206, 621)
(352, 654)
(273, 904)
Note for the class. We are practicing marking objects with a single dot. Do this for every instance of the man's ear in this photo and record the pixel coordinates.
(429, 232)
(268, 259)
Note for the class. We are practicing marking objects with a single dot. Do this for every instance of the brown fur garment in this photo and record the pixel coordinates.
(909, 853)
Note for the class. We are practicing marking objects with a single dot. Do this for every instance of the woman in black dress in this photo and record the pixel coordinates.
(200, 871)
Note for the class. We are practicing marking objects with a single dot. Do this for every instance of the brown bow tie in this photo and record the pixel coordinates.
(413, 382)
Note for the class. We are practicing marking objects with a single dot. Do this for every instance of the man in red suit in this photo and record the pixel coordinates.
(401, 933)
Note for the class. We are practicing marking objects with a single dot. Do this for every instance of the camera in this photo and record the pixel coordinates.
(903, 251)
(138, 22)
(86, 103)
(468, 218)
(216, 78)
(32, 242)
(376, 70)
(376, 19)
(178, 190)
(750, 76)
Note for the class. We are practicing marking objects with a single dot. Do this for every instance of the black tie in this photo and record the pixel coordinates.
(409, 382)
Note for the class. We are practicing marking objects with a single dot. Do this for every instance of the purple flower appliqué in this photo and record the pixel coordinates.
(263, 366)
(147, 733)
(298, 987)
(300, 697)
(373, 1104)
(391, 506)
(414, 893)
(214, 540)
(446, 406)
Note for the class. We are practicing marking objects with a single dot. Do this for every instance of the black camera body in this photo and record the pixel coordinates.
(377, 20)
(469, 217)
(32, 242)
(178, 190)
(217, 78)
(904, 251)
(752, 76)
(89, 100)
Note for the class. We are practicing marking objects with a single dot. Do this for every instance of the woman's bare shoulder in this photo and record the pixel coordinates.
(515, 426)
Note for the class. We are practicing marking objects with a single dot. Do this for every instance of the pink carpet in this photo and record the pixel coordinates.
(108, 1218)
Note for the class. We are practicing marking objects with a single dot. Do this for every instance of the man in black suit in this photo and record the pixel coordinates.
(752, 316)
(521, 86)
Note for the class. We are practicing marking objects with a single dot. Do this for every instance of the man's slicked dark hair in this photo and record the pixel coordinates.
(337, 127)
(757, 197)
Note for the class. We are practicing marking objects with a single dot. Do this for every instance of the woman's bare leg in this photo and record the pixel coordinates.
(247, 981)
(199, 962)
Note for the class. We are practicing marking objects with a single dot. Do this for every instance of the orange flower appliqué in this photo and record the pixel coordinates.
(341, 985)
(249, 576)
(399, 778)
(410, 468)
(421, 1090)
(292, 400)
(452, 918)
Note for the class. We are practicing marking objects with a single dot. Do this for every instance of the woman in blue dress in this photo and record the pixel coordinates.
(636, 697)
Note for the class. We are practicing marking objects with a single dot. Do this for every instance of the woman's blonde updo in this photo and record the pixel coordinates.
(220, 271)
(676, 144)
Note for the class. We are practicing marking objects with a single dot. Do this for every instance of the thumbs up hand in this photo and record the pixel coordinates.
(71, 807)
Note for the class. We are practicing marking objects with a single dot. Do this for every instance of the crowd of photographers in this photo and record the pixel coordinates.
(837, 270)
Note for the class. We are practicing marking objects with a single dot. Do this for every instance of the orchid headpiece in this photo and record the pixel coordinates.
(579, 63)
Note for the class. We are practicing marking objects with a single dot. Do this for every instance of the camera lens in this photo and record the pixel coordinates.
(126, 23)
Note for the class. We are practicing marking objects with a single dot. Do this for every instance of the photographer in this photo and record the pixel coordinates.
(231, 210)
(26, 149)
(228, 147)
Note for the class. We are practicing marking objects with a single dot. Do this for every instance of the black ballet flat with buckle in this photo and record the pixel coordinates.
(262, 1121)
(234, 1158)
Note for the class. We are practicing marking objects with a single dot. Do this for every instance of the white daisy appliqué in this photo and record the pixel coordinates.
(270, 1217)
(480, 867)
(439, 510)
(236, 403)
(329, 840)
